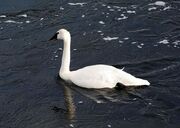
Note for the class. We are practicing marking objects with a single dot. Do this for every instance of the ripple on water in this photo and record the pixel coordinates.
(23, 15)
(12, 21)
(34, 76)
(75, 4)
(110, 38)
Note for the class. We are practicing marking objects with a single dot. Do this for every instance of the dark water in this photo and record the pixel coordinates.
(135, 34)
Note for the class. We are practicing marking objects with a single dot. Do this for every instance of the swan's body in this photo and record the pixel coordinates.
(95, 76)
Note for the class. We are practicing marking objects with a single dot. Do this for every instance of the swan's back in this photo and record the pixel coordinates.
(103, 76)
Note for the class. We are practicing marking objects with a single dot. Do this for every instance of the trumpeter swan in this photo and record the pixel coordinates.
(95, 76)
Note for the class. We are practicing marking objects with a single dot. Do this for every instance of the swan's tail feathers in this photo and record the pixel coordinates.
(140, 82)
(129, 80)
(136, 82)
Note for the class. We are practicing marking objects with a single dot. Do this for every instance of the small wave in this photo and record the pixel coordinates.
(163, 42)
(131, 12)
(23, 15)
(152, 8)
(27, 21)
(123, 17)
(101, 22)
(110, 38)
(75, 4)
(12, 21)
(3, 16)
(158, 3)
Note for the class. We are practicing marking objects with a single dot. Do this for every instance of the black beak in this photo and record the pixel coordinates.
(54, 37)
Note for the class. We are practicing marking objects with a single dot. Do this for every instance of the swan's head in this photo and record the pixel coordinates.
(61, 35)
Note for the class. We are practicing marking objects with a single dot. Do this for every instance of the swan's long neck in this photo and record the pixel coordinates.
(65, 63)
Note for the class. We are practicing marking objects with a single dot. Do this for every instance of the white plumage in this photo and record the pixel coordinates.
(95, 76)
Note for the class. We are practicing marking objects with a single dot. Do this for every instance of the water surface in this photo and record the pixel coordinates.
(141, 35)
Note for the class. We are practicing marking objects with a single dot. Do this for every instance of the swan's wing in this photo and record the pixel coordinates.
(104, 76)
(97, 76)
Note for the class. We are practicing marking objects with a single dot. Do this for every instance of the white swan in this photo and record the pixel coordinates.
(95, 76)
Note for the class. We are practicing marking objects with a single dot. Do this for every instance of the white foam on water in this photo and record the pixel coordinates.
(75, 4)
(139, 46)
(101, 22)
(167, 8)
(152, 8)
(3, 16)
(71, 125)
(108, 7)
(110, 38)
(84, 33)
(99, 31)
(74, 49)
(109, 126)
(41, 19)
(27, 21)
(99, 102)
(83, 16)
(123, 17)
(158, 3)
(176, 44)
(12, 21)
(80, 102)
(163, 42)
(131, 12)
(23, 15)
(120, 41)
(133, 42)
(61, 8)
(126, 38)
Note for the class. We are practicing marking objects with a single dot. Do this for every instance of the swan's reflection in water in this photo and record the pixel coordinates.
(69, 102)
(119, 96)
(71, 109)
